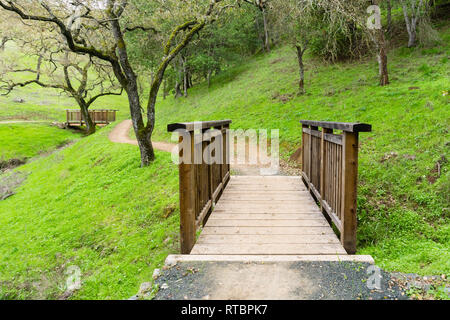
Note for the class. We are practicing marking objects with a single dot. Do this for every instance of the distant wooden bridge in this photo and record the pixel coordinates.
(244, 216)
(74, 117)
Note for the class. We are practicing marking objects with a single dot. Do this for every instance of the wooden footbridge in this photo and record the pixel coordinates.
(264, 216)
(74, 117)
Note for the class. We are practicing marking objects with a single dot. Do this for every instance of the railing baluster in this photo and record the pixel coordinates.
(330, 168)
(349, 178)
(201, 182)
(187, 202)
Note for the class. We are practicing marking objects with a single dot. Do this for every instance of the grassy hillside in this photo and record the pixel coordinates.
(26, 140)
(92, 206)
(403, 203)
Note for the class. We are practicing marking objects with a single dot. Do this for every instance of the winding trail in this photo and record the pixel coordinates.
(241, 167)
(120, 134)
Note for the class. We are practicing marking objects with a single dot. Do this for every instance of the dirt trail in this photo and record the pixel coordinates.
(240, 166)
(120, 134)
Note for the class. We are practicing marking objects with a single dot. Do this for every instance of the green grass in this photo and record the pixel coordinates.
(92, 206)
(403, 218)
(26, 140)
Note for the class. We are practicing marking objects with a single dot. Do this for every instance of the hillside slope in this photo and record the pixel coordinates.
(403, 201)
(90, 206)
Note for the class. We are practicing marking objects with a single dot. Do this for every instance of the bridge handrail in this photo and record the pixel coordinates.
(330, 170)
(98, 116)
(191, 126)
(201, 181)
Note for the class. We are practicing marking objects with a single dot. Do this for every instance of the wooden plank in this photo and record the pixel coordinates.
(203, 214)
(190, 126)
(264, 210)
(334, 138)
(345, 126)
(173, 259)
(264, 192)
(314, 133)
(268, 230)
(266, 223)
(267, 239)
(187, 206)
(332, 215)
(265, 197)
(323, 165)
(265, 216)
(253, 215)
(267, 178)
(266, 182)
(268, 249)
(349, 182)
(285, 203)
(265, 187)
(271, 178)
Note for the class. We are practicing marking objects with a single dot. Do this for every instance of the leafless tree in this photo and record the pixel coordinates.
(389, 15)
(262, 6)
(412, 11)
(355, 11)
(99, 32)
(82, 78)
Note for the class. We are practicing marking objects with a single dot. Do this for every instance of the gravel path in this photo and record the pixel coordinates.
(281, 280)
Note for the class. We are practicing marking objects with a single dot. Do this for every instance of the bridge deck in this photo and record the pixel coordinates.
(262, 215)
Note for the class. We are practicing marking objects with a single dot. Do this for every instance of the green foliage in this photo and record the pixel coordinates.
(224, 43)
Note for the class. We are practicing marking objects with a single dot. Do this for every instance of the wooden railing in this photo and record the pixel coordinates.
(330, 170)
(202, 179)
(98, 116)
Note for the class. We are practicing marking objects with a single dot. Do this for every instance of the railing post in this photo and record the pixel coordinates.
(310, 156)
(303, 147)
(187, 201)
(226, 149)
(323, 164)
(349, 186)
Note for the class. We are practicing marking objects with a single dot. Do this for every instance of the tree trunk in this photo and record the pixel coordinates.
(208, 77)
(178, 92)
(389, 15)
(190, 84)
(90, 125)
(127, 78)
(84, 108)
(143, 133)
(144, 138)
(382, 58)
(165, 89)
(301, 83)
(411, 23)
(266, 31)
(185, 77)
